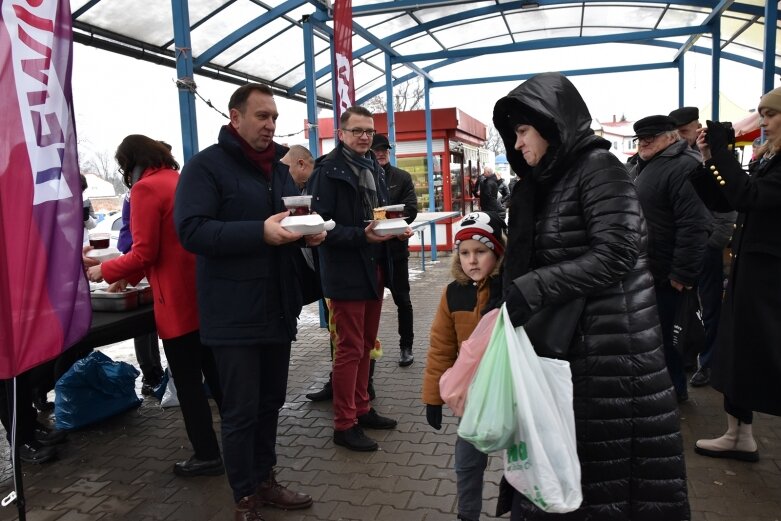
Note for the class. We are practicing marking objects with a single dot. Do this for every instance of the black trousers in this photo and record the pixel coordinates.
(667, 299)
(400, 293)
(190, 362)
(741, 413)
(26, 415)
(254, 386)
(711, 288)
(148, 357)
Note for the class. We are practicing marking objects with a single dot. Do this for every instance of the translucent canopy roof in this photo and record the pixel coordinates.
(263, 40)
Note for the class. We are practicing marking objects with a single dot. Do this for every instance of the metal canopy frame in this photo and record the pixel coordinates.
(384, 31)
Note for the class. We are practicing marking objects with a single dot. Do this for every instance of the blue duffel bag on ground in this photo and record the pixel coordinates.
(93, 389)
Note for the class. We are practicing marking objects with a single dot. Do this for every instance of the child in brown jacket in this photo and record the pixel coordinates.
(479, 242)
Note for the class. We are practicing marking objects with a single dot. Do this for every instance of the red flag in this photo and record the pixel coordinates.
(44, 295)
(343, 55)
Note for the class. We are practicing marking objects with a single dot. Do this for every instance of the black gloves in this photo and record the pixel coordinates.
(517, 307)
(434, 416)
(719, 136)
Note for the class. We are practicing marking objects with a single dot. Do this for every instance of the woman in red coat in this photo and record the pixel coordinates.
(150, 171)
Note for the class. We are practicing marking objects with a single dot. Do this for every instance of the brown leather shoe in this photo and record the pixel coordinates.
(273, 494)
(246, 510)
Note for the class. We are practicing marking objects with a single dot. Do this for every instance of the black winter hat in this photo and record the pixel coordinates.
(685, 115)
(653, 126)
(381, 141)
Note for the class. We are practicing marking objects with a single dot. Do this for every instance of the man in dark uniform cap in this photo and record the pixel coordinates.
(687, 121)
(711, 281)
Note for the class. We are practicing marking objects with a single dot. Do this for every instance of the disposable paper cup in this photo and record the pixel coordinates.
(99, 240)
(298, 204)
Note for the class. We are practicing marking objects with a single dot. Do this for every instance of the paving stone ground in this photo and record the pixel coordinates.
(121, 468)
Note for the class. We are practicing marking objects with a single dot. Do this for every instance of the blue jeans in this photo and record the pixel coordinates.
(470, 466)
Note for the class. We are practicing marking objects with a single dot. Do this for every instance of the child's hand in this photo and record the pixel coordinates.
(434, 416)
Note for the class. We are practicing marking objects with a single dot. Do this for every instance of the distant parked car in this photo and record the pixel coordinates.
(111, 224)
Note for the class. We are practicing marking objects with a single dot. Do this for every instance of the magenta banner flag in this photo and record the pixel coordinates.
(44, 295)
(343, 56)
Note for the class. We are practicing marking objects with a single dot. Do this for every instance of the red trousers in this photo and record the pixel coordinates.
(356, 323)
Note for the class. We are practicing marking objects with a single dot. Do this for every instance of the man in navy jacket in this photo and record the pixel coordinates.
(347, 185)
(228, 212)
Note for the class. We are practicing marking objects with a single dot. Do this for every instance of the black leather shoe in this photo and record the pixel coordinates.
(701, 378)
(324, 394)
(406, 357)
(35, 453)
(196, 467)
(48, 437)
(372, 420)
(355, 439)
(682, 397)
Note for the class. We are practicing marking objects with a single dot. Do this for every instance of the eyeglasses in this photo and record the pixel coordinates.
(646, 140)
(358, 132)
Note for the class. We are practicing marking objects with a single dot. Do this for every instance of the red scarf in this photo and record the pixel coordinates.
(263, 160)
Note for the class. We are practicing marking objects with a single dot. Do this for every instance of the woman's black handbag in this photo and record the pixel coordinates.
(688, 328)
(552, 328)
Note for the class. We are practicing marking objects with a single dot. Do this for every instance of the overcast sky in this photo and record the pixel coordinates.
(115, 95)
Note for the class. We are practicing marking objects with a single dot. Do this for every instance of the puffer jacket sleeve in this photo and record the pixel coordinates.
(614, 224)
(442, 352)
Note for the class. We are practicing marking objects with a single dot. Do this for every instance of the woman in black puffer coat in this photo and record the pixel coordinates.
(577, 233)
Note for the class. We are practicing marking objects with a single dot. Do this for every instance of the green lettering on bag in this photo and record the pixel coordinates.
(537, 497)
(517, 452)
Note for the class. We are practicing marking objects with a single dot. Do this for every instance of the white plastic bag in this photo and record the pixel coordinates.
(170, 397)
(543, 463)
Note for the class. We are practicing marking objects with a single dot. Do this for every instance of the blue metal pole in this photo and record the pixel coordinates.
(715, 67)
(430, 161)
(389, 103)
(185, 82)
(311, 87)
(334, 97)
(680, 82)
(769, 59)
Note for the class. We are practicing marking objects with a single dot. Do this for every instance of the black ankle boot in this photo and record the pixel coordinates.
(324, 394)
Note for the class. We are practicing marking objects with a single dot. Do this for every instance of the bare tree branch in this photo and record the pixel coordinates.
(102, 164)
(407, 96)
(494, 141)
